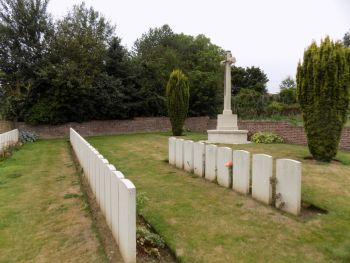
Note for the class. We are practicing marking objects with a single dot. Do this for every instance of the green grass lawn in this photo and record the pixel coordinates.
(203, 222)
(43, 216)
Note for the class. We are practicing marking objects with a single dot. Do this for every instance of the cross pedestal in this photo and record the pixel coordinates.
(227, 129)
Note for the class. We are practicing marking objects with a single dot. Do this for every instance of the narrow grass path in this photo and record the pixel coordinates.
(203, 222)
(43, 216)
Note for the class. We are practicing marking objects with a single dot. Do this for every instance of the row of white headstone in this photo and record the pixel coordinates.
(213, 163)
(8, 138)
(115, 195)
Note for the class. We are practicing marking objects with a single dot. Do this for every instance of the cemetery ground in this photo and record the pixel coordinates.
(44, 216)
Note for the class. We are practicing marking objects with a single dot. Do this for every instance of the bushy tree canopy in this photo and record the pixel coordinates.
(160, 51)
(249, 78)
(25, 34)
(75, 68)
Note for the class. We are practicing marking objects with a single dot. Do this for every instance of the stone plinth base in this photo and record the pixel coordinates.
(227, 122)
(227, 136)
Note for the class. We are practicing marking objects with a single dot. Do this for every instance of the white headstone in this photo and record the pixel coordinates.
(127, 220)
(103, 171)
(210, 162)
(288, 186)
(241, 171)
(261, 179)
(98, 178)
(188, 156)
(224, 172)
(115, 180)
(172, 150)
(108, 183)
(179, 158)
(199, 158)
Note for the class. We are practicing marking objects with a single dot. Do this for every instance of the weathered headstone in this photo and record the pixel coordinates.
(241, 171)
(261, 179)
(179, 158)
(199, 158)
(115, 180)
(98, 178)
(108, 183)
(210, 162)
(127, 220)
(172, 150)
(103, 171)
(188, 156)
(288, 186)
(224, 171)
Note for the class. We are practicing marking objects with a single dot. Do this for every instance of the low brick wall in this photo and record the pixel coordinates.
(291, 134)
(6, 126)
(151, 124)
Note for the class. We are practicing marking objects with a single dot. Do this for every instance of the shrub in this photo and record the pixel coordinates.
(249, 104)
(26, 136)
(275, 108)
(177, 93)
(266, 137)
(323, 82)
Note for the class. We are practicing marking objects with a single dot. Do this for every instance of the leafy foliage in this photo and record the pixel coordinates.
(346, 39)
(177, 93)
(26, 31)
(323, 81)
(248, 78)
(250, 104)
(27, 136)
(266, 137)
(149, 243)
(158, 52)
(288, 83)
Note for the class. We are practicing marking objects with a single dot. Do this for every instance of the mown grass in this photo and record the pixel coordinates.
(43, 216)
(203, 222)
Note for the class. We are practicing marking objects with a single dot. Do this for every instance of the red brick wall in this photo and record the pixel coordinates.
(151, 124)
(291, 134)
(6, 126)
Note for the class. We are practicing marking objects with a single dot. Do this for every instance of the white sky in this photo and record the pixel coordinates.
(270, 34)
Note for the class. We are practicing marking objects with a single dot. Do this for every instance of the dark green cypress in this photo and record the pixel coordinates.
(177, 95)
(323, 82)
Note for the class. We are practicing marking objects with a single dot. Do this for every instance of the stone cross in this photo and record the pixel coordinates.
(227, 86)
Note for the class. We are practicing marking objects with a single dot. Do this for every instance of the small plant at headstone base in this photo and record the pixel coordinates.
(323, 83)
(177, 96)
(27, 136)
(266, 137)
(149, 243)
(141, 200)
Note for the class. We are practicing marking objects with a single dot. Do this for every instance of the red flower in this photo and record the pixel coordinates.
(229, 164)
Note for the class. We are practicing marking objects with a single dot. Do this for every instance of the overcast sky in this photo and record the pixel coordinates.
(270, 34)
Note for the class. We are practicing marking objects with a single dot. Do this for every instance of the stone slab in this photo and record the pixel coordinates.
(227, 122)
(179, 149)
(127, 220)
(228, 136)
(288, 186)
(224, 173)
(241, 171)
(172, 150)
(261, 178)
(188, 156)
(199, 158)
(210, 162)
